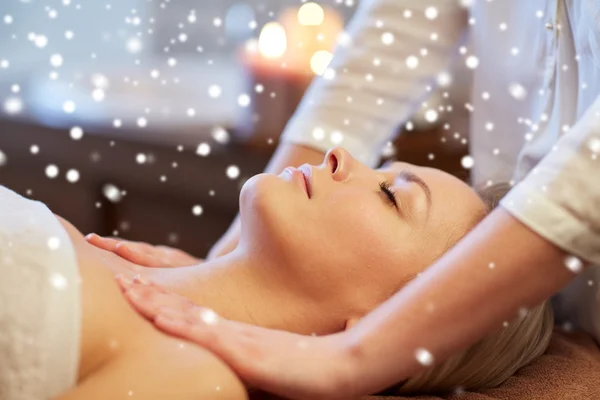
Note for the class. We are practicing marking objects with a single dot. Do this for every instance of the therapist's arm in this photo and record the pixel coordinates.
(373, 90)
(470, 299)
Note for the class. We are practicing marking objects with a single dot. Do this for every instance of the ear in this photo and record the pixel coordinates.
(351, 322)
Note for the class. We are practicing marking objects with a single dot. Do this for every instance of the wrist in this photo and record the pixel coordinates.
(350, 357)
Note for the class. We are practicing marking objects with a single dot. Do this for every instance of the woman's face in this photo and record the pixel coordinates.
(344, 228)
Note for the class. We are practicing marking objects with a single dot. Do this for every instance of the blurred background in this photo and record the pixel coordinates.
(143, 118)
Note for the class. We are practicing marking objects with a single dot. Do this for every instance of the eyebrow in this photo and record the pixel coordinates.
(409, 176)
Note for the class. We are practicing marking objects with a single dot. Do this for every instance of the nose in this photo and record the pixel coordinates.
(339, 163)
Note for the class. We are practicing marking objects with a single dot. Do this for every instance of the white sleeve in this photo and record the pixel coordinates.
(369, 88)
(560, 198)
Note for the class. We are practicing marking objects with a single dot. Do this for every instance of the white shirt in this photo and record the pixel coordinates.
(537, 73)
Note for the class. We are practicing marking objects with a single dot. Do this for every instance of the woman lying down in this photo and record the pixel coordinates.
(319, 249)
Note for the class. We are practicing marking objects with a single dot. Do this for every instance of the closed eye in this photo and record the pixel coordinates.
(389, 193)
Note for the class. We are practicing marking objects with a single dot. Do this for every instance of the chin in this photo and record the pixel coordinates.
(269, 212)
(258, 192)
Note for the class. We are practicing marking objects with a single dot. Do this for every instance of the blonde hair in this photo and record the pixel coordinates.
(500, 354)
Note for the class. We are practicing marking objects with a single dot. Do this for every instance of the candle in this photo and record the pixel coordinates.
(300, 43)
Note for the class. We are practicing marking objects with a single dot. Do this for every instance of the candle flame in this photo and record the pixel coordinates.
(272, 41)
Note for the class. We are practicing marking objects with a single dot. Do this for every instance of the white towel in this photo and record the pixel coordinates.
(40, 302)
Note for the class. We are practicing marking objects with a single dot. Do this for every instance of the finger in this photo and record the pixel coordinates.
(124, 280)
(148, 300)
(130, 252)
(108, 244)
(175, 258)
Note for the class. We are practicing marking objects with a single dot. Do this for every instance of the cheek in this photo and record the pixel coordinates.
(363, 227)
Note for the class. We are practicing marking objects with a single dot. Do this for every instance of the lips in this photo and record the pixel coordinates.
(306, 171)
(301, 178)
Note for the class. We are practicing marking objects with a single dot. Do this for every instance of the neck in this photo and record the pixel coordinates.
(248, 289)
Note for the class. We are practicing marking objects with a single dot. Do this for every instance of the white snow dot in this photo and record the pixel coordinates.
(517, 91)
(489, 126)
(69, 35)
(52, 171)
(76, 133)
(8, 19)
(98, 95)
(467, 162)
(13, 105)
(197, 210)
(472, 62)
(214, 91)
(220, 134)
(72, 175)
(117, 123)
(412, 62)
(424, 357)
(387, 38)
(57, 280)
(233, 172)
(141, 158)
(134, 45)
(56, 60)
(112, 193)
(2, 158)
(431, 13)
(336, 137)
(40, 41)
(244, 100)
(69, 107)
(431, 115)
(142, 122)
(53, 243)
(209, 317)
(318, 133)
(217, 22)
(203, 149)
(171, 62)
(444, 79)
(4, 64)
(34, 149)
(573, 264)
(594, 144)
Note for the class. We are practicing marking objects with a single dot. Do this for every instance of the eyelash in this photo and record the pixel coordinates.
(389, 192)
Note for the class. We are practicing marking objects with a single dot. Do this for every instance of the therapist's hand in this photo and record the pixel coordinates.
(144, 254)
(275, 361)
